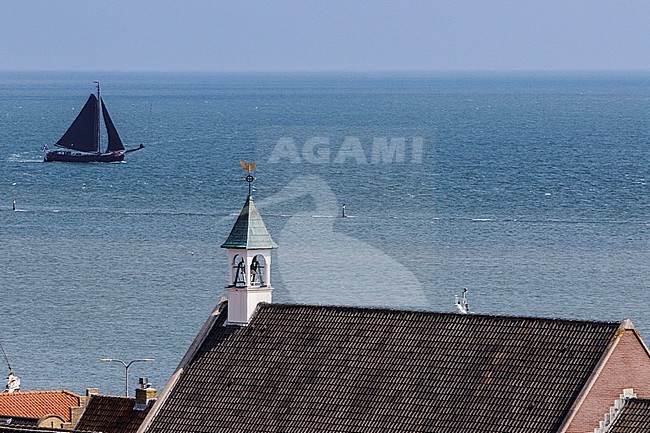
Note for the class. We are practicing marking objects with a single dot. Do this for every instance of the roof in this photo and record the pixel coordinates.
(249, 231)
(27, 429)
(299, 368)
(110, 414)
(634, 417)
(17, 421)
(37, 404)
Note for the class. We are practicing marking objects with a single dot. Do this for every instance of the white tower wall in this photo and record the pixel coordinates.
(243, 297)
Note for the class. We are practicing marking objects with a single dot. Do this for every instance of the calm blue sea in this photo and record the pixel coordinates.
(531, 190)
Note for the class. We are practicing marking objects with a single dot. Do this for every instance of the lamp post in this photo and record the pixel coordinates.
(126, 369)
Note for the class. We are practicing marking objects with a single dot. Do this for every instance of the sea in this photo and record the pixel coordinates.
(531, 190)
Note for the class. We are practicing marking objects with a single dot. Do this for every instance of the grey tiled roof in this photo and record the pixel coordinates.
(299, 368)
(633, 418)
(249, 231)
(111, 414)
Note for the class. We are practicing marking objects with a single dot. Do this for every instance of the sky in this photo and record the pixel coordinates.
(324, 35)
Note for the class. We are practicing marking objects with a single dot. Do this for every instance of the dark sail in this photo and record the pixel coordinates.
(81, 134)
(114, 142)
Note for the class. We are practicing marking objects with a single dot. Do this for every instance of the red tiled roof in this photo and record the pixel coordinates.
(36, 404)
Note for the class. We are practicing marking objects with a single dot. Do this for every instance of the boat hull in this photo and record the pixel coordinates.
(71, 156)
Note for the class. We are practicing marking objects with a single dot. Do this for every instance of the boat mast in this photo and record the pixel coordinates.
(97, 135)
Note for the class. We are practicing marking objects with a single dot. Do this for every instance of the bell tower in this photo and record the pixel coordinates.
(249, 248)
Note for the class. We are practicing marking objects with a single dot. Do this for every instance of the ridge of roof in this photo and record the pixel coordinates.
(33, 429)
(249, 231)
(279, 305)
(121, 397)
(42, 391)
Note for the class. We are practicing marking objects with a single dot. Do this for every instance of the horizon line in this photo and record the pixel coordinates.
(341, 71)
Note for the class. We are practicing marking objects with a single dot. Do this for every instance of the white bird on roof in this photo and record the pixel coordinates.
(319, 265)
(462, 305)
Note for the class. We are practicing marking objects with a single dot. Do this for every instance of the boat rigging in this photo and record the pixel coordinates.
(82, 139)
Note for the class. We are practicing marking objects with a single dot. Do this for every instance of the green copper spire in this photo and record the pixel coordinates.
(249, 231)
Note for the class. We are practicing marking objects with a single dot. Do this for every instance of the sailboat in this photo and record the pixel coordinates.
(81, 142)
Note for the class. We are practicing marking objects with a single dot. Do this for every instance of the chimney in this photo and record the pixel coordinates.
(76, 411)
(144, 394)
(83, 400)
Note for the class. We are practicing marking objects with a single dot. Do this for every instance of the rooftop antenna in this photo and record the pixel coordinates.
(462, 305)
(249, 177)
(13, 381)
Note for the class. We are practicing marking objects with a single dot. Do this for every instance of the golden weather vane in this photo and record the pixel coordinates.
(249, 177)
(248, 167)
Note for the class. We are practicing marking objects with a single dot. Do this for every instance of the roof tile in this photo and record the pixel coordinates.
(110, 414)
(321, 369)
(633, 418)
(36, 404)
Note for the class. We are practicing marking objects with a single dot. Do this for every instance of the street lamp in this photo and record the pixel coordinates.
(126, 369)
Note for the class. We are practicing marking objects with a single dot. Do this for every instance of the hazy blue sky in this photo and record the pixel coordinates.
(191, 35)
